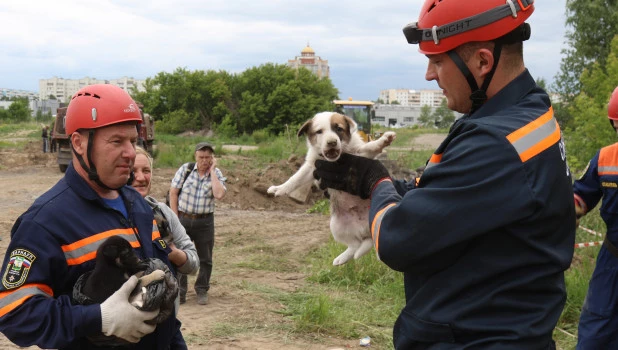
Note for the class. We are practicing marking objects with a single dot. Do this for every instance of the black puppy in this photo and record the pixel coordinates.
(115, 263)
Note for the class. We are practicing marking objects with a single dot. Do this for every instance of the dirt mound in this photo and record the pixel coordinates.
(246, 185)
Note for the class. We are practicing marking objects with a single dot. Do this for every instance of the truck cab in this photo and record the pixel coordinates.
(61, 139)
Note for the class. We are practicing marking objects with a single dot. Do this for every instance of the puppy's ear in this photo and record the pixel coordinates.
(351, 124)
(305, 128)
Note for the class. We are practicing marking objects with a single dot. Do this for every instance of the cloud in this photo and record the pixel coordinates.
(107, 39)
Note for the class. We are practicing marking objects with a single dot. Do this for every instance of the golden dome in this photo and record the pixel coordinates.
(307, 49)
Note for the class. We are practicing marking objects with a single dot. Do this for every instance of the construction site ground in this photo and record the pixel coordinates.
(248, 224)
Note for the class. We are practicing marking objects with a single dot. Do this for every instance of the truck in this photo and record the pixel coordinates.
(145, 136)
(146, 131)
(61, 139)
(361, 112)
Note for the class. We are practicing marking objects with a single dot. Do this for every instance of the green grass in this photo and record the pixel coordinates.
(361, 298)
(23, 132)
(406, 135)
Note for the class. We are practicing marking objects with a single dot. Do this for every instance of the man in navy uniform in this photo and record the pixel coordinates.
(484, 235)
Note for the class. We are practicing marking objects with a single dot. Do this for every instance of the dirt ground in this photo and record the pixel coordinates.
(251, 228)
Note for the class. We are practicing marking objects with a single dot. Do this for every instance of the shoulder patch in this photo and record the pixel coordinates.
(16, 272)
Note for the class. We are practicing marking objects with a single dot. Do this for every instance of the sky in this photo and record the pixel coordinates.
(109, 39)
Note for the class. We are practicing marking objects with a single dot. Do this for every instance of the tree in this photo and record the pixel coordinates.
(591, 130)
(426, 119)
(267, 97)
(443, 117)
(204, 96)
(273, 96)
(541, 83)
(19, 110)
(591, 26)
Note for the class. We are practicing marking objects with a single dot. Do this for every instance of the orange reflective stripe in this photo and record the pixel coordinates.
(434, 160)
(11, 299)
(528, 128)
(608, 163)
(377, 223)
(155, 230)
(94, 238)
(536, 136)
(86, 249)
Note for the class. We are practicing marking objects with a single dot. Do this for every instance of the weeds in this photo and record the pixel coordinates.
(322, 206)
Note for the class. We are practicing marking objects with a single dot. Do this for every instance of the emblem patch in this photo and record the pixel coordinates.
(20, 263)
(162, 243)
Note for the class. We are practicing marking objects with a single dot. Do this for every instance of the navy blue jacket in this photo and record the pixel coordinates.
(55, 242)
(484, 238)
(600, 180)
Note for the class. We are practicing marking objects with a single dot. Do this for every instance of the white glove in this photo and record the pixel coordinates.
(123, 320)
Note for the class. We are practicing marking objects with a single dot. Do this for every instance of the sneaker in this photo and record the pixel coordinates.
(202, 299)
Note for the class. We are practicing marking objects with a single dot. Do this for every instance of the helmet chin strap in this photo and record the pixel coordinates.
(478, 96)
(92, 170)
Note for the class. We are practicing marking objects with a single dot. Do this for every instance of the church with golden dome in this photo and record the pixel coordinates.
(309, 60)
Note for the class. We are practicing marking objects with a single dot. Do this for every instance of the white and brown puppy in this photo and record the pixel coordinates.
(329, 135)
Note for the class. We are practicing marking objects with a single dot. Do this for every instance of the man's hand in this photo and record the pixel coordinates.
(123, 320)
(176, 256)
(213, 164)
(353, 174)
(579, 212)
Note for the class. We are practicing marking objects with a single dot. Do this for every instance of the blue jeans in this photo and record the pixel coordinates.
(202, 233)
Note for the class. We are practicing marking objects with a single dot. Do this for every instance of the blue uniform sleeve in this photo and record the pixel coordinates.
(403, 186)
(479, 179)
(588, 187)
(35, 304)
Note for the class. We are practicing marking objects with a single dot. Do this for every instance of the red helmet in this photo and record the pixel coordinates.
(612, 107)
(446, 24)
(96, 106)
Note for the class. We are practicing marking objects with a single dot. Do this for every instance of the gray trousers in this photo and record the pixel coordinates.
(202, 233)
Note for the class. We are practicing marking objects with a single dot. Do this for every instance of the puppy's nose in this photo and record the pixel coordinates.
(332, 143)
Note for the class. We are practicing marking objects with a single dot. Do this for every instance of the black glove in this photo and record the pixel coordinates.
(353, 174)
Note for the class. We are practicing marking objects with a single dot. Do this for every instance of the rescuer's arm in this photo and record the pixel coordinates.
(587, 189)
(31, 313)
(462, 197)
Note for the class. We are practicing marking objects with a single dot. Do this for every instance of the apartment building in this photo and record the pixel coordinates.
(10, 93)
(63, 89)
(413, 98)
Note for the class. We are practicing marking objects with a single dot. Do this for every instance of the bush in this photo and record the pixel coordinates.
(178, 121)
(227, 127)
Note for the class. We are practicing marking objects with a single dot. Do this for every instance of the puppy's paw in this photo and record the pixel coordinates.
(388, 138)
(276, 190)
